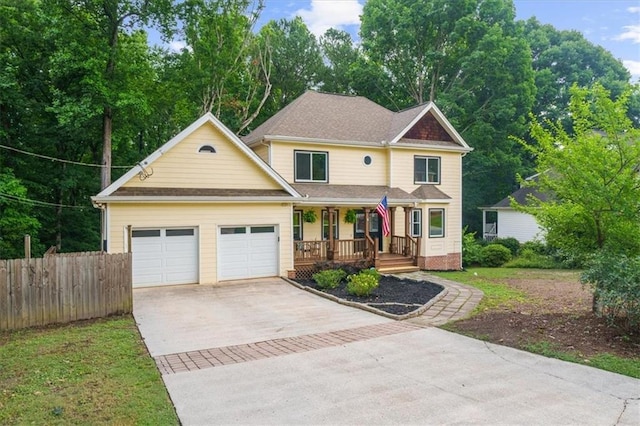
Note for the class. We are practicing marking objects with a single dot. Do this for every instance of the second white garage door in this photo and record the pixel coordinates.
(247, 252)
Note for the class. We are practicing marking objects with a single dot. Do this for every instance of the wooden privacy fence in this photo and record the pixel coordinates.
(61, 288)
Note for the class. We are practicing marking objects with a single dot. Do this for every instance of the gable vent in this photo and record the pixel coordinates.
(207, 148)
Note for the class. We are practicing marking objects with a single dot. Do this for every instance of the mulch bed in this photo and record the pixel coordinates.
(394, 295)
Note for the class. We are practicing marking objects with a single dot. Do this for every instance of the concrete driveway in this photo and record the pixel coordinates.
(265, 352)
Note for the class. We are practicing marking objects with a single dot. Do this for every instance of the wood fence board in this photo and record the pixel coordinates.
(4, 294)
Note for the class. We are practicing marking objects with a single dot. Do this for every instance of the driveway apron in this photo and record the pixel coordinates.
(265, 352)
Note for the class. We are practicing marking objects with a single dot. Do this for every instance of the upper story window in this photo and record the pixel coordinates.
(311, 166)
(208, 149)
(426, 170)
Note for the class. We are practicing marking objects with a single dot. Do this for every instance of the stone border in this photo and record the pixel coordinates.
(415, 313)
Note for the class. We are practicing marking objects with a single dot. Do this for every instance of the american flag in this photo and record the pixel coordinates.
(383, 211)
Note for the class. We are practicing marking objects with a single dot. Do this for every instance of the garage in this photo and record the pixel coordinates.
(164, 256)
(247, 252)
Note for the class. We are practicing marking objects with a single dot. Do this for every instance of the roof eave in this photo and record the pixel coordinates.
(188, 199)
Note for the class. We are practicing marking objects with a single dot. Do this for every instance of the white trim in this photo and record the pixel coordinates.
(430, 106)
(207, 118)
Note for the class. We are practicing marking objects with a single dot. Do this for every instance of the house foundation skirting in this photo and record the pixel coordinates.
(448, 262)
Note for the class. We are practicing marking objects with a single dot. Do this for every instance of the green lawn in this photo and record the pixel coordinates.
(93, 372)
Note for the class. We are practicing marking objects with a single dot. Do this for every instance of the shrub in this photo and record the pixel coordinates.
(363, 283)
(530, 259)
(330, 278)
(538, 247)
(494, 255)
(615, 280)
(471, 249)
(511, 243)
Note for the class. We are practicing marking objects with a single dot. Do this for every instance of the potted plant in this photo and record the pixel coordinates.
(350, 216)
(309, 216)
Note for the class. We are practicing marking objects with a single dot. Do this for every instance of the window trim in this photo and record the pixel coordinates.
(336, 224)
(413, 222)
(300, 221)
(442, 233)
(426, 158)
(295, 166)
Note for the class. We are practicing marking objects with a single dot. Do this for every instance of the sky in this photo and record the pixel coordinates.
(612, 24)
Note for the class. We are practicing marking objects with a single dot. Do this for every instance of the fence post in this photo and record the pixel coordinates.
(27, 246)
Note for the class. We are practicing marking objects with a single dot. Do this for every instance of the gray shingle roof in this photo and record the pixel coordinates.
(328, 116)
(353, 193)
(429, 192)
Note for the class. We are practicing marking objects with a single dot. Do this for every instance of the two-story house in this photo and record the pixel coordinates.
(301, 188)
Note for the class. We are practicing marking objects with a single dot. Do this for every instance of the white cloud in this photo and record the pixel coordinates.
(633, 9)
(325, 14)
(634, 69)
(632, 32)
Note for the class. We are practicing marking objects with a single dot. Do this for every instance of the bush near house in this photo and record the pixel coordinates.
(471, 249)
(494, 255)
(330, 278)
(511, 243)
(363, 283)
(615, 280)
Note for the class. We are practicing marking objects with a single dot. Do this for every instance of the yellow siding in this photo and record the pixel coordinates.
(184, 167)
(207, 218)
(346, 165)
(263, 152)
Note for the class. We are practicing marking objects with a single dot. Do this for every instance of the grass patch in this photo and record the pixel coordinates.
(497, 294)
(93, 372)
(627, 366)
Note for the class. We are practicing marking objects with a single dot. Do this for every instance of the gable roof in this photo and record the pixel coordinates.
(521, 196)
(207, 118)
(325, 117)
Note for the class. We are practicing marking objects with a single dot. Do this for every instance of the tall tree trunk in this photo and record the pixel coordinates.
(107, 122)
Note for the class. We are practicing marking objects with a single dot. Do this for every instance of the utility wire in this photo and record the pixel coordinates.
(38, 203)
(61, 160)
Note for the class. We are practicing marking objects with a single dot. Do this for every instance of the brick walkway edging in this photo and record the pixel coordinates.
(216, 357)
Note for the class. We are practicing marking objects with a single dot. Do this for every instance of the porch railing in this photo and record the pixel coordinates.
(405, 246)
(343, 250)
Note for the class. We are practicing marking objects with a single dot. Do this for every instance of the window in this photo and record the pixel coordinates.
(325, 224)
(311, 166)
(297, 225)
(207, 148)
(367, 160)
(426, 170)
(416, 223)
(436, 223)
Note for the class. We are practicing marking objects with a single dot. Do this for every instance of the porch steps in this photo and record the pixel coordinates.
(393, 264)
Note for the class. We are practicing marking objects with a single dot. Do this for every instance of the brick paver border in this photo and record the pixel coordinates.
(215, 357)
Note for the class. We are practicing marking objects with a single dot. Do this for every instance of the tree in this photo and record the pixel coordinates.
(16, 219)
(296, 61)
(473, 61)
(564, 58)
(340, 55)
(225, 67)
(592, 172)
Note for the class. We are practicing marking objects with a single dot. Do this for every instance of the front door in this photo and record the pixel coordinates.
(374, 227)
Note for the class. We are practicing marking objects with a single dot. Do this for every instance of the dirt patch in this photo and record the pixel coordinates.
(557, 310)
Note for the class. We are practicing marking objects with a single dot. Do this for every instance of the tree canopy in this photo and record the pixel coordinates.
(84, 94)
(591, 174)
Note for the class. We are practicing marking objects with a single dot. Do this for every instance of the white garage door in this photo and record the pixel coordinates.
(247, 252)
(164, 256)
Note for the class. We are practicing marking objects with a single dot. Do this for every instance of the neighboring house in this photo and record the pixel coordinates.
(209, 207)
(502, 221)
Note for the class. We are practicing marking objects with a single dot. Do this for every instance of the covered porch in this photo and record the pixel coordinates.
(350, 230)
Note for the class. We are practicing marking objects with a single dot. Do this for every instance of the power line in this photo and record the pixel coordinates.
(38, 203)
(78, 163)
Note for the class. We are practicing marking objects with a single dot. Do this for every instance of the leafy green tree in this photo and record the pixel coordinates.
(340, 56)
(472, 60)
(296, 61)
(592, 173)
(564, 58)
(16, 219)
